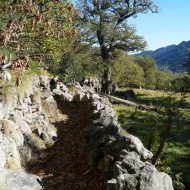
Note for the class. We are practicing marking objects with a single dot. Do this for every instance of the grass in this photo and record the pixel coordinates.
(25, 88)
(156, 97)
(145, 96)
(136, 122)
(176, 152)
(9, 94)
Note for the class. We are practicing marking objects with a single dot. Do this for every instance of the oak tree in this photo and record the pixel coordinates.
(107, 23)
(37, 28)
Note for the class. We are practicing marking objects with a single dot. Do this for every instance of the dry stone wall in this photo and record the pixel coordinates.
(124, 158)
(25, 130)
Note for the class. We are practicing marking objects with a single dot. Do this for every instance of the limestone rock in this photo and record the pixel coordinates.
(11, 130)
(9, 147)
(16, 124)
(122, 157)
(66, 95)
(2, 157)
(19, 180)
(111, 184)
(144, 181)
(129, 143)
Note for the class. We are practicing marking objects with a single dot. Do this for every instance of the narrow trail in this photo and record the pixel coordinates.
(65, 166)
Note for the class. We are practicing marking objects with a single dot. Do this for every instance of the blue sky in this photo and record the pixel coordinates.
(169, 26)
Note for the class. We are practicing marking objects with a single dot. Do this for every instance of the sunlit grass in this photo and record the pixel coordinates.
(139, 123)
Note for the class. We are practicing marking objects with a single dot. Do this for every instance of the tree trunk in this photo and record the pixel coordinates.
(106, 55)
(150, 141)
(162, 144)
(159, 151)
(106, 81)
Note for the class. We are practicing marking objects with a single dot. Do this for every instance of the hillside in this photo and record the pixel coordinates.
(170, 57)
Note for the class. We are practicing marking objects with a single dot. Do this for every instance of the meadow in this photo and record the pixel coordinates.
(149, 127)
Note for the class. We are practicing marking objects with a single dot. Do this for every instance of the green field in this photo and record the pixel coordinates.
(144, 123)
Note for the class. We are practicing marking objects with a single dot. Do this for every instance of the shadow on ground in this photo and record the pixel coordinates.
(64, 166)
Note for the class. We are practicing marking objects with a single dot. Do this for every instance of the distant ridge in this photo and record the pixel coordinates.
(170, 57)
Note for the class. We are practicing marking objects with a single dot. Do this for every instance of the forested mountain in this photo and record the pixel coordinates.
(170, 57)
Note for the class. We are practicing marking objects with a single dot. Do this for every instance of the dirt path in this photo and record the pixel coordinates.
(65, 166)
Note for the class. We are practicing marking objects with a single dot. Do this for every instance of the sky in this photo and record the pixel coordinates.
(169, 26)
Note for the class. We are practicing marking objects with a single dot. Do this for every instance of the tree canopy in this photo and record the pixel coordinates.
(125, 72)
(108, 27)
(148, 64)
(187, 64)
(37, 28)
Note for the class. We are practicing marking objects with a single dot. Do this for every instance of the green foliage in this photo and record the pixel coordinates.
(181, 83)
(148, 65)
(140, 71)
(145, 125)
(70, 68)
(110, 27)
(9, 94)
(6, 52)
(163, 80)
(39, 29)
(34, 68)
(74, 67)
(165, 167)
(25, 88)
(125, 72)
(187, 64)
(105, 23)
